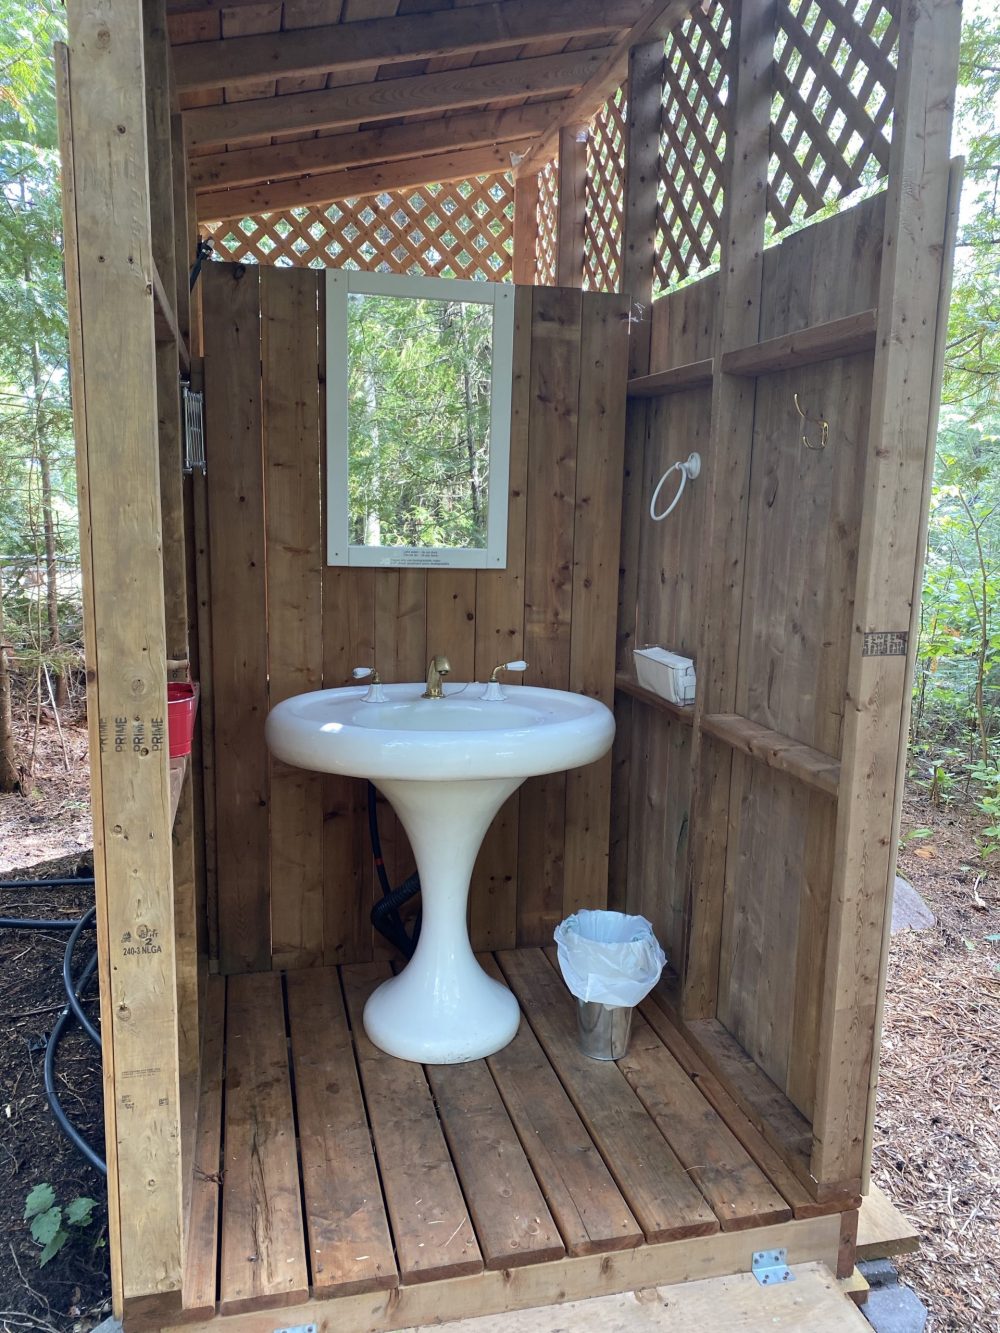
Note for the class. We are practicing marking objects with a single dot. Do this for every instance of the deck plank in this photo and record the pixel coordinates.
(655, 1184)
(202, 1256)
(350, 1248)
(263, 1241)
(512, 1222)
(586, 1203)
(720, 1166)
(430, 1221)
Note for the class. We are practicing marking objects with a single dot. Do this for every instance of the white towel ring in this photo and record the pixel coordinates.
(689, 469)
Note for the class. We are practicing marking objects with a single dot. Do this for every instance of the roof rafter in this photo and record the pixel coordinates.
(327, 187)
(604, 82)
(390, 143)
(388, 98)
(232, 61)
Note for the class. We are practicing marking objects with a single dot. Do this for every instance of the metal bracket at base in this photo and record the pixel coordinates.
(768, 1267)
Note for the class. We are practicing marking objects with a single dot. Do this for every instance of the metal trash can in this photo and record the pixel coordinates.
(609, 962)
(604, 1029)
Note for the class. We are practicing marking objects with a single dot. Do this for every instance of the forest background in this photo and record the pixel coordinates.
(955, 735)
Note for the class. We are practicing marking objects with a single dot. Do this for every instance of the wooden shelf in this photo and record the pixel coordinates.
(694, 375)
(816, 769)
(165, 326)
(819, 342)
(624, 684)
(178, 771)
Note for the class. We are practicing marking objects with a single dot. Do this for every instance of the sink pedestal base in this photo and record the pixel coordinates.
(443, 1009)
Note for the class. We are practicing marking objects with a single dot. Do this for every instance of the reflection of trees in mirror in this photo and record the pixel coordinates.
(419, 421)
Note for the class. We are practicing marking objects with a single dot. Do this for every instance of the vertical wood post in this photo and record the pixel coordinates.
(113, 361)
(572, 163)
(525, 260)
(885, 606)
(642, 156)
(727, 483)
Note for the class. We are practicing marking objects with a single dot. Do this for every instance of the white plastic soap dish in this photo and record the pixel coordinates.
(667, 674)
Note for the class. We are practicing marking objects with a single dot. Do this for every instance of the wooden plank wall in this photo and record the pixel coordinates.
(295, 882)
(801, 550)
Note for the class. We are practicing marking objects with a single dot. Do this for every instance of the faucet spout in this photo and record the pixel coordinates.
(437, 669)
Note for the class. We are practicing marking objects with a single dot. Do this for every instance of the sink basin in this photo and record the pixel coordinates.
(446, 766)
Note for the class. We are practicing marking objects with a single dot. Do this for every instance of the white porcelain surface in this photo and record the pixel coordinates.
(446, 765)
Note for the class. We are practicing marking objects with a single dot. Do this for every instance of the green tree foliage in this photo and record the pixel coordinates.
(39, 567)
(419, 421)
(956, 714)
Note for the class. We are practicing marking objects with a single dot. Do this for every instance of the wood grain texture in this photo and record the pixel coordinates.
(350, 1248)
(294, 542)
(548, 591)
(321, 622)
(654, 1183)
(202, 1252)
(239, 615)
(422, 1193)
(263, 1239)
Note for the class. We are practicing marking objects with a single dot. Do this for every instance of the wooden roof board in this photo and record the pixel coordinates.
(264, 118)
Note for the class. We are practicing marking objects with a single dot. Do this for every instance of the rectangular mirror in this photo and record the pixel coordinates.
(418, 420)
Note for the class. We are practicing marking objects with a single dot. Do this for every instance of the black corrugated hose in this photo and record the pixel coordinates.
(73, 1009)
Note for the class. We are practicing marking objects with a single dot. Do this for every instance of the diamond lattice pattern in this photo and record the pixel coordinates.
(604, 195)
(692, 146)
(834, 77)
(548, 222)
(463, 229)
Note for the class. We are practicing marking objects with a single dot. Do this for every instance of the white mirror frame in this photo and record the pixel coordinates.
(340, 283)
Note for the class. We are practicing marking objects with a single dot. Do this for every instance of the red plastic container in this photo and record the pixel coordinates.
(182, 706)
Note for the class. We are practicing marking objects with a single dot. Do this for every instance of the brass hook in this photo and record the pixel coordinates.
(818, 421)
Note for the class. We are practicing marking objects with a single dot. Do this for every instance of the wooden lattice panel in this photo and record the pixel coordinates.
(834, 77)
(602, 225)
(692, 146)
(463, 229)
(548, 222)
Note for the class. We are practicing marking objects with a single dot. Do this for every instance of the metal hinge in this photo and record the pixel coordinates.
(297, 1328)
(771, 1266)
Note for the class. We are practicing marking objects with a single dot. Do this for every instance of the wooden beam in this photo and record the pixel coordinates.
(878, 680)
(645, 97)
(692, 375)
(525, 230)
(233, 61)
(216, 205)
(606, 80)
(571, 202)
(720, 577)
(783, 753)
(391, 143)
(113, 361)
(819, 342)
(385, 99)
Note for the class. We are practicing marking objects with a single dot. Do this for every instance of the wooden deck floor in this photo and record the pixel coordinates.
(326, 1168)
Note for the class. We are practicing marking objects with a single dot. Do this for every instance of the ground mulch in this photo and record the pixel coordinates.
(937, 1134)
(937, 1140)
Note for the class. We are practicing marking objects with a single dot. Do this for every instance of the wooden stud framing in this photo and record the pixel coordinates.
(525, 229)
(572, 167)
(109, 266)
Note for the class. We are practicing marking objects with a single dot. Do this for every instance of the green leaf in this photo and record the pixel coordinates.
(53, 1248)
(46, 1225)
(80, 1212)
(40, 1200)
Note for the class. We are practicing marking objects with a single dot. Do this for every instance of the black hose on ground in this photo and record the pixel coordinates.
(74, 1002)
(385, 913)
(26, 923)
(58, 1032)
(45, 883)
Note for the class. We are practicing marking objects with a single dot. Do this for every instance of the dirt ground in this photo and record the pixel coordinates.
(937, 1141)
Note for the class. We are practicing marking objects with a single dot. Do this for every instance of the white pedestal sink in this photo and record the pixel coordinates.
(446, 765)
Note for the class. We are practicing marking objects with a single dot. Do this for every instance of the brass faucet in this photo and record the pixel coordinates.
(437, 668)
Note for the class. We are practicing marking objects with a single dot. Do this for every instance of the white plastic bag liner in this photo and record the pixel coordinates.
(608, 957)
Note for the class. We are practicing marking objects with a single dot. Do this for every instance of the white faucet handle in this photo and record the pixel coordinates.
(519, 665)
(359, 673)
